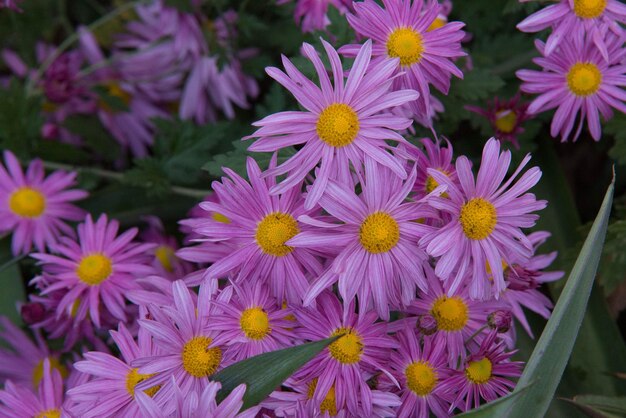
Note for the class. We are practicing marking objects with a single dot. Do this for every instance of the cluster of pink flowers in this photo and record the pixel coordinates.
(583, 64)
(417, 263)
(165, 62)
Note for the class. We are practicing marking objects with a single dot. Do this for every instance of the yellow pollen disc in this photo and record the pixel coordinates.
(478, 218)
(328, 404)
(421, 378)
(220, 218)
(338, 125)
(54, 364)
(488, 267)
(133, 378)
(114, 90)
(165, 255)
(584, 79)
(406, 44)
(255, 323)
(506, 120)
(479, 372)
(27, 202)
(94, 269)
(346, 349)
(198, 359)
(440, 22)
(50, 413)
(450, 313)
(589, 9)
(273, 231)
(379, 233)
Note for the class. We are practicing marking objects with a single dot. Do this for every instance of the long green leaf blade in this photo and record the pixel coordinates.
(262, 374)
(550, 356)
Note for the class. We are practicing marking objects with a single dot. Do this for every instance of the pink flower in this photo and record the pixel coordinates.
(34, 207)
(505, 116)
(312, 15)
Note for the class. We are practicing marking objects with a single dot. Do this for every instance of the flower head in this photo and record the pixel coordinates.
(312, 15)
(505, 116)
(578, 82)
(35, 208)
(341, 124)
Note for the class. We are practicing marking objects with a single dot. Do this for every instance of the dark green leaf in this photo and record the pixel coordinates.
(600, 406)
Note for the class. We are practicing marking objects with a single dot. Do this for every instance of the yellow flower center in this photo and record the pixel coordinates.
(440, 22)
(115, 91)
(584, 79)
(133, 378)
(220, 218)
(488, 267)
(198, 359)
(478, 218)
(27, 202)
(328, 404)
(450, 313)
(348, 348)
(50, 413)
(421, 378)
(255, 323)
(54, 364)
(338, 125)
(165, 255)
(273, 231)
(406, 44)
(589, 9)
(479, 372)
(506, 120)
(379, 233)
(94, 269)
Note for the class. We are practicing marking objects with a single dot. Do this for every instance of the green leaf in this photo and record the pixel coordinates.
(476, 84)
(11, 282)
(543, 371)
(264, 373)
(600, 406)
(613, 266)
(617, 127)
(20, 119)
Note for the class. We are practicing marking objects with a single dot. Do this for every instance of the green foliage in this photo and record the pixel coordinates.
(597, 406)
(96, 137)
(20, 119)
(613, 267)
(617, 128)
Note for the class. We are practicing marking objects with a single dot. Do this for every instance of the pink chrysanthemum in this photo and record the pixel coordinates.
(35, 207)
(22, 361)
(111, 391)
(505, 116)
(197, 404)
(576, 79)
(97, 269)
(250, 322)
(346, 364)
(436, 157)
(312, 15)
(523, 281)
(256, 225)
(421, 367)
(485, 375)
(402, 29)
(341, 124)
(187, 347)
(165, 262)
(457, 318)
(21, 402)
(487, 217)
(379, 259)
(571, 19)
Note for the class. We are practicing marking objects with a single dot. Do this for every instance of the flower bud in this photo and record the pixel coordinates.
(32, 313)
(426, 324)
(500, 320)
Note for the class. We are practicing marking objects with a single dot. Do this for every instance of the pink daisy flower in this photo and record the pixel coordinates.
(197, 404)
(572, 19)
(487, 217)
(421, 368)
(97, 269)
(437, 158)
(577, 80)
(379, 259)
(250, 322)
(524, 279)
(341, 123)
(457, 318)
(111, 391)
(362, 351)
(485, 375)
(312, 15)
(35, 208)
(256, 226)
(165, 262)
(23, 360)
(187, 347)
(505, 116)
(20, 402)
(401, 29)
